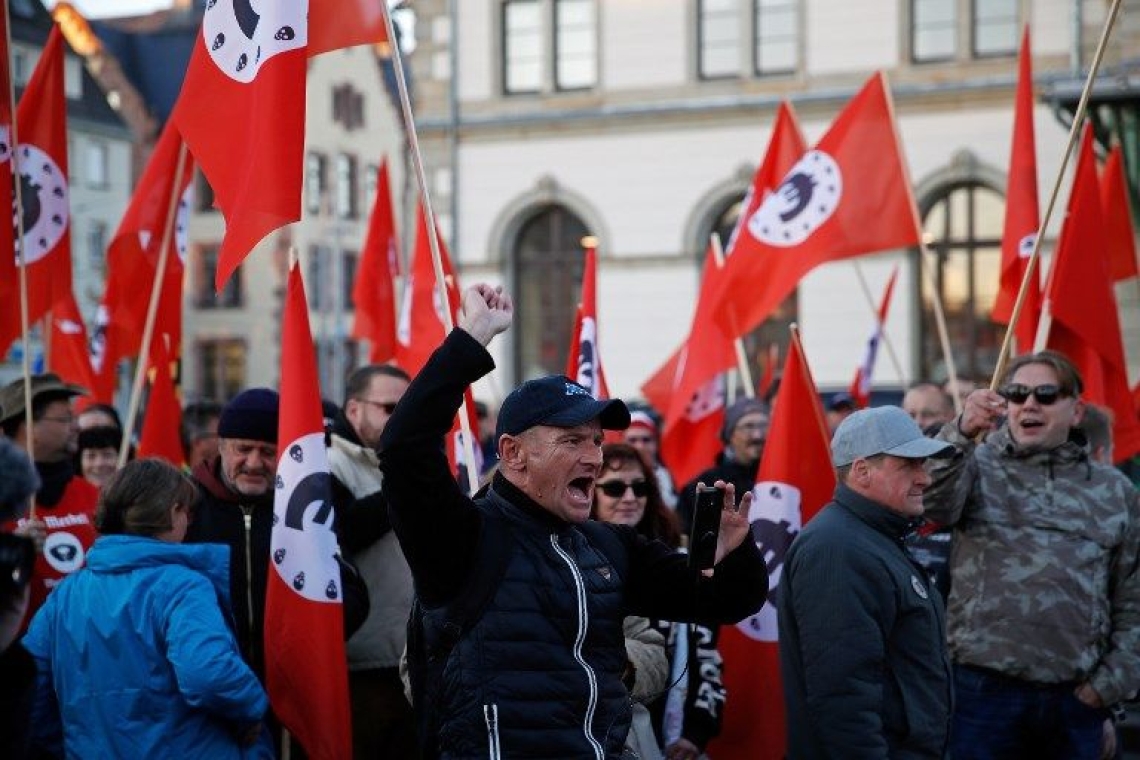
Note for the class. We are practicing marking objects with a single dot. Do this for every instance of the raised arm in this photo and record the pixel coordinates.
(436, 523)
(954, 476)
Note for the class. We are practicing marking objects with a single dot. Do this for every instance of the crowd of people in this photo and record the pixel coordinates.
(971, 590)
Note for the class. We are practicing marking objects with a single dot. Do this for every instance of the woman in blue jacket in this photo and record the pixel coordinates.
(134, 654)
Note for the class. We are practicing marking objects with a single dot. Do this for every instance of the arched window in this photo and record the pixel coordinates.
(548, 262)
(962, 225)
(772, 331)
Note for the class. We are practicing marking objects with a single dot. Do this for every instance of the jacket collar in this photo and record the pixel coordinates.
(118, 553)
(209, 475)
(879, 517)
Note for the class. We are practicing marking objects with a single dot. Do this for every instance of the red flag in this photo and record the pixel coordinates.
(68, 356)
(242, 112)
(1120, 235)
(43, 167)
(584, 363)
(132, 258)
(695, 414)
(1080, 300)
(795, 480)
(769, 375)
(821, 210)
(163, 419)
(337, 24)
(1021, 215)
(861, 386)
(305, 674)
(420, 329)
(374, 292)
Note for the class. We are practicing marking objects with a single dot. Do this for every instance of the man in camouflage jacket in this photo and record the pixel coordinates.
(1044, 609)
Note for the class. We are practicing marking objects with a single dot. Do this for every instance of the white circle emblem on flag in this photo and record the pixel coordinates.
(303, 544)
(5, 144)
(241, 35)
(43, 190)
(64, 552)
(775, 520)
(806, 199)
(587, 356)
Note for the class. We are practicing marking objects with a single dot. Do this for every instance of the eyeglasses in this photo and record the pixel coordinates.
(1046, 395)
(387, 406)
(61, 420)
(615, 489)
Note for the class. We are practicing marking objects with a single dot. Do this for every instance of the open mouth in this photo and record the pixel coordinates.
(581, 488)
(1031, 424)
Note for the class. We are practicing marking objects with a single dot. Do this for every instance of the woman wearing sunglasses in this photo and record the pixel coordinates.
(1042, 620)
(688, 715)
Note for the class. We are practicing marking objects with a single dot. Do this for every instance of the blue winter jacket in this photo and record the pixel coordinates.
(137, 651)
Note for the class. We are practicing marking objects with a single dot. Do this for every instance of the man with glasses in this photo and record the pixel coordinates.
(64, 523)
(1044, 610)
(382, 723)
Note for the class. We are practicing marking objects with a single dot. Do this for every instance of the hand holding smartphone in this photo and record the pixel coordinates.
(706, 527)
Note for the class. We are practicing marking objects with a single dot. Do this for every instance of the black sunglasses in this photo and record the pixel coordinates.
(615, 489)
(1017, 393)
(388, 407)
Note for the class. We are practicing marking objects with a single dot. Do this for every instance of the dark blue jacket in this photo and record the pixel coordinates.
(539, 673)
(862, 639)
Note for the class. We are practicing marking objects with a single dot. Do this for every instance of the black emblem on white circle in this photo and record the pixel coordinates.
(43, 189)
(64, 552)
(806, 199)
(241, 35)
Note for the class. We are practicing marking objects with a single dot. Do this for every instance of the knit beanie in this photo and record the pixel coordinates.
(739, 409)
(252, 414)
(640, 419)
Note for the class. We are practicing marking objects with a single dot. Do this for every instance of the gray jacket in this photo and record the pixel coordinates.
(1044, 562)
(380, 641)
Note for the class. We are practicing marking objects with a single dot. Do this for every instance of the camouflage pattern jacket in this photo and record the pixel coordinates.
(1045, 584)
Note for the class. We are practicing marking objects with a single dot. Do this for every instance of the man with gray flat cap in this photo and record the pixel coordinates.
(862, 631)
(515, 645)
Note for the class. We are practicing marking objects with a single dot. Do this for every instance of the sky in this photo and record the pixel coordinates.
(105, 8)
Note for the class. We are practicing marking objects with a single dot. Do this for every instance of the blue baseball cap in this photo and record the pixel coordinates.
(557, 401)
(882, 430)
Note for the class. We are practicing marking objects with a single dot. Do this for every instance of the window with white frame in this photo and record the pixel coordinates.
(96, 244)
(945, 30)
(549, 45)
(775, 36)
(95, 160)
(314, 182)
(346, 192)
(738, 38)
(72, 78)
(718, 32)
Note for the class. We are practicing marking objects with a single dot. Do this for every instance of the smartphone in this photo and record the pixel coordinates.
(706, 527)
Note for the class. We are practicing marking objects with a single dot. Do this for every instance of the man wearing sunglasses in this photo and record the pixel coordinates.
(533, 666)
(1044, 609)
(381, 716)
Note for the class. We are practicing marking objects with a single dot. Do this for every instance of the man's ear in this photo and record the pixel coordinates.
(1078, 412)
(511, 455)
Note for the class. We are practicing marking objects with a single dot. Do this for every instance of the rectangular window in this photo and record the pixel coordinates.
(575, 64)
(776, 36)
(95, 164)
(315, 284)
(348, 278)
(522, 46)
(221, 368)
(314, 182)
(97, 244)
(23, 63)
(934, 30)
(718, 33)
(206, 297)
(371, 179)
(72, 78)
(995, 27)
(346, 194)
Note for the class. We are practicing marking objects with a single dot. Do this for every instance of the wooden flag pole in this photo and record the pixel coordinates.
(883, 327)
(1031, 267)
(18, 196)
(940, 320)
(433, 240)
(794, 329)
(152, 307)
(737, 343)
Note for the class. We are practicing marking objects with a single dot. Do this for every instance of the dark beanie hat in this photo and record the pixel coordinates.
(252, 414)
(737, 411)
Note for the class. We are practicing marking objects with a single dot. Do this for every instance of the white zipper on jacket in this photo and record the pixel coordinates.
(247, 516)
(491, 718)
(583, 624)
